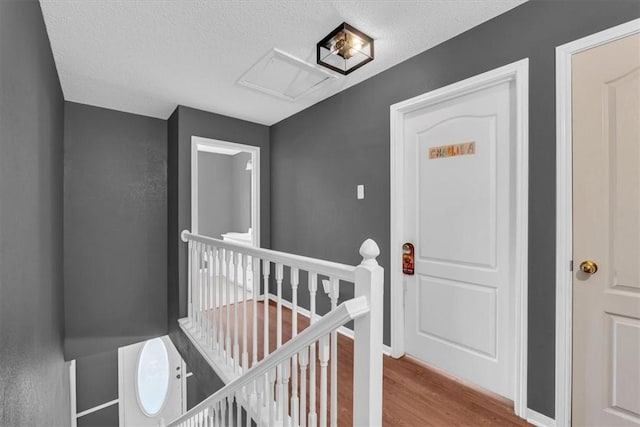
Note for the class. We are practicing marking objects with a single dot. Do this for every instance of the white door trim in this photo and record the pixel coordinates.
(214, 145)
(519, 73)
(564, 211)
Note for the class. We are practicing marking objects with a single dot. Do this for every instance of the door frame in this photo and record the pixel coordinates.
(519, 73)
(210, 145)
(564, 210)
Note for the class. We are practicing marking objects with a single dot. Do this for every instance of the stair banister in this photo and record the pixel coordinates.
(334, 269)
(347, 311)
(210, 292)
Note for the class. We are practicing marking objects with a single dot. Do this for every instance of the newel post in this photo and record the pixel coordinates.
(367, 357)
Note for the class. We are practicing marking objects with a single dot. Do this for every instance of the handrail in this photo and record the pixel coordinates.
(345, 312)
(337, 270)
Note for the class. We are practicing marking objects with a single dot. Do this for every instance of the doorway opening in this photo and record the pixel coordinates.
(225, 198)
(225, 190)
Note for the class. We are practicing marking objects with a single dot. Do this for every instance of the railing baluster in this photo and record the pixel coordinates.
(266, 269)
(295, 415)
(203, 292)
(279, 387)
(238, 411)
(323, 356)
(255, 264)
(212, 311)
(285, 400)
(236, 345)
(304, 361)
(251, 401)
(271, 401)
(225, 404)
(198, 286)
(313, 288)
(245, 279)
(190, 260)
(268, 396)
(332, 288)
(203, 287)
(220, 303)
(279, 277)
(194, 287)
(214, 297)
(262, 402)
(207, 297)
(227, 347)
(268, 400)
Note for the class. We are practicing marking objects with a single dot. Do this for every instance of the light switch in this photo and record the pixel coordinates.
(360, 192)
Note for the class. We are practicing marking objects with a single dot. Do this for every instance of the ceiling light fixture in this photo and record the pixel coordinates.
(345, 49)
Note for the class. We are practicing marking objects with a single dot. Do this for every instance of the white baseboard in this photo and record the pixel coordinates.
(537, 419)
(303, 311)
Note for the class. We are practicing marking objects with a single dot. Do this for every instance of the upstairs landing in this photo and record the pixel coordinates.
(413, 395)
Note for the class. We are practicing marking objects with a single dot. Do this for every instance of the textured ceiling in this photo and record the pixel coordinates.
(147, 56)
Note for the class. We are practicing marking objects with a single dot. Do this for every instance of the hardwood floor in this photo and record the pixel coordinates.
(413, 394)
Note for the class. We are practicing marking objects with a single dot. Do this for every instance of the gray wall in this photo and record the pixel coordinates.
(195, 394)
(224, 193)
(215, 192)
(96, 379)
(115, 220)
(315, 168)
(96, 384)
(34, 385)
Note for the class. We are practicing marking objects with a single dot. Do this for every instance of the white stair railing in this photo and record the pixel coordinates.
(228, 327)
(246, 392)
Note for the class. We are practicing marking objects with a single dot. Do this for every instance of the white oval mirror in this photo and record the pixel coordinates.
(152, 376)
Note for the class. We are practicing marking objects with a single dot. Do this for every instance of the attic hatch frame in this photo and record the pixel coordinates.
(303, 66)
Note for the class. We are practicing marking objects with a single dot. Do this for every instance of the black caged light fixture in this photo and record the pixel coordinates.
(345, 49)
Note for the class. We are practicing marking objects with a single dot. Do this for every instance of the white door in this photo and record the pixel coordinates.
(606, 221)
(458, 212)
(152, 383)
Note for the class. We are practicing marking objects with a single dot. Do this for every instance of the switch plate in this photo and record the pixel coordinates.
(360, 191)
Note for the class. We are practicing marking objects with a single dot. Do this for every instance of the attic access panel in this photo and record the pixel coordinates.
(284, 76)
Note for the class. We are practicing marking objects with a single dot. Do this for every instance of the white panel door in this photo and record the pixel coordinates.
(152, 383)
(458, 170)
(606, 220)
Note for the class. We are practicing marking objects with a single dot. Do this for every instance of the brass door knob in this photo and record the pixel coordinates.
(588, 267)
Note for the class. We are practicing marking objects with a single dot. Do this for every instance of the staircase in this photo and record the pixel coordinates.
(278, 373)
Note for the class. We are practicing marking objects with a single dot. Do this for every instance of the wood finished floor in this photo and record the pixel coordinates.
(413, 394)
